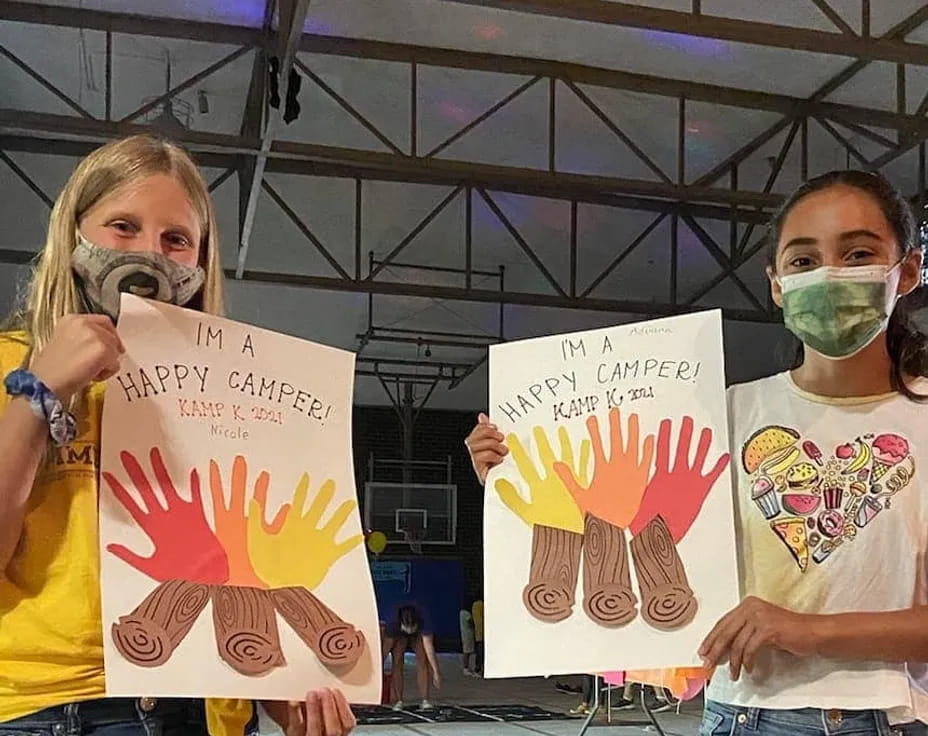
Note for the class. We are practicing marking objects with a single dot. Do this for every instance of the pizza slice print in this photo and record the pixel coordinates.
(816, 502)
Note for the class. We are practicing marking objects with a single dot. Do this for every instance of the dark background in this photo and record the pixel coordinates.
(437, 434)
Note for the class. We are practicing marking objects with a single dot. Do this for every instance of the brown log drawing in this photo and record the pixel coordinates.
(246, 629)
(552, 580)
(668, 602)
(335, 642)
(148, 636)
(608, 598)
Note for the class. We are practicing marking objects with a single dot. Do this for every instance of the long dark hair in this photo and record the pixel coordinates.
(906, 343)
(408, 615)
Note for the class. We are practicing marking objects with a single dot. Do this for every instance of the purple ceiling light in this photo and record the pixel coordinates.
(695, 45)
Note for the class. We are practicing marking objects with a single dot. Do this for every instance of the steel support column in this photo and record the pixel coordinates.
(291, 19)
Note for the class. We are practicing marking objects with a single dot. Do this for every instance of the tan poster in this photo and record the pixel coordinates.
(231, 555)
(610, 523)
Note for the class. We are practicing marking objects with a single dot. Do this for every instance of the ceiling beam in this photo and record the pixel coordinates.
(23, 124)
(131, 24)
(453, 293)
(291, 19)
(458, 59)
(552, 189)
(600, 77)
(900, 30)
(722, 29)
(430, 291)
(255, 111)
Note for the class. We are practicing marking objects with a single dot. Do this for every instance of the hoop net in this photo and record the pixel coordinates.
(414, 539)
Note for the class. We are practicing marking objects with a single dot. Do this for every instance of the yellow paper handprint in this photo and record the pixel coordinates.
(303, 550)
(550, 503)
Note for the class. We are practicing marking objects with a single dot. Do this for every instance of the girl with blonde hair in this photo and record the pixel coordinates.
(135, 216)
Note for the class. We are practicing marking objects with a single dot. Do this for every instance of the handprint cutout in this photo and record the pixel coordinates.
(619, 479)
(677, 493)
(306, 546)
(550, 503)
(230, 520)
(185, 546)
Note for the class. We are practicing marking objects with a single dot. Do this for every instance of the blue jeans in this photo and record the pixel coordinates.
(732, 720)
(113, 717)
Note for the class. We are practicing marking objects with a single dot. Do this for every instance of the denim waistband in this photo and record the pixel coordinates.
(831, 722)
(115, 710)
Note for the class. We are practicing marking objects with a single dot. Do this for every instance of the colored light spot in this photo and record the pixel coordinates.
(691, 44)
(489, 32)
(456, 112)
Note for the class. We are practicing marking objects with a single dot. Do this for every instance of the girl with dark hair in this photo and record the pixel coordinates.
(411, 631)
(830, 501)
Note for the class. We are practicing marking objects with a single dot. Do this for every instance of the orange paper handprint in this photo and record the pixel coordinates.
(231, 523)
(619, 479)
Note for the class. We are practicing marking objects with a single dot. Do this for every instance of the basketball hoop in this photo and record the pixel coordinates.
(414, 539)
(413, 524)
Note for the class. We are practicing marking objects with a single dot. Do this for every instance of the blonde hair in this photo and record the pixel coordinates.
(53, 293)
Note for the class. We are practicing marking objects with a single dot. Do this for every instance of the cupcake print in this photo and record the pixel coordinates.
(765, 497)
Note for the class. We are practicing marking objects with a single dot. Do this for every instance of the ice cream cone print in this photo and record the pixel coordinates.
(888, 450)
(879, 470)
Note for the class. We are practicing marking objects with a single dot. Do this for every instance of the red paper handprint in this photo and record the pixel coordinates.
(185, 546)
(677, 493)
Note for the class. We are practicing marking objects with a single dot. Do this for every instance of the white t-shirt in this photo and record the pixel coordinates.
(832, 517)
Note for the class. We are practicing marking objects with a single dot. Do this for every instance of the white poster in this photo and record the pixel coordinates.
(231, 547)
(609, 526)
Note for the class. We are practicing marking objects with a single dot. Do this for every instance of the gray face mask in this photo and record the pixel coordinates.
(104, 274)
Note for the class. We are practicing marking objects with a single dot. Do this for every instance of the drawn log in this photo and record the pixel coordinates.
(148, 636)
(335, 642)
(608, 598)
(668, 602)
(552, 580)
(246, 629)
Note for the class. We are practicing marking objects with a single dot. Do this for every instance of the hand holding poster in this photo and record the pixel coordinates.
(616, 489)
(231, 548)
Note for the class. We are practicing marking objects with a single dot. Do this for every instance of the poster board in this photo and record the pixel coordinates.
(231, 547)
(609, 533)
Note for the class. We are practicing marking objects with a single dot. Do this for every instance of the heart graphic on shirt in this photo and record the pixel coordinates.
(816, 501)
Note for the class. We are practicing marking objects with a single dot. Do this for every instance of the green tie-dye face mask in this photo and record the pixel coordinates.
(837, 312)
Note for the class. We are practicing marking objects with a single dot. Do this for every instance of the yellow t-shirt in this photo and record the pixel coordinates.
(477, 613)
(51, 631)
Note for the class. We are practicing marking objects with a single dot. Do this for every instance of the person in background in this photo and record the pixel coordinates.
(134, 214)
(589, 697)
(477, 615)
(624, 702)
(410, 631)
(468, 644)
(830, 497)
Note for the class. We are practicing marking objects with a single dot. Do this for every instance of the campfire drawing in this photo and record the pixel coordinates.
(574, 513)
(248, 570)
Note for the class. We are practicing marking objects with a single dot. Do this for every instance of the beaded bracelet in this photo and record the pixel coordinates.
(61, 424)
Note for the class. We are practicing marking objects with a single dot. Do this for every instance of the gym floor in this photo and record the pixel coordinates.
(460, 690)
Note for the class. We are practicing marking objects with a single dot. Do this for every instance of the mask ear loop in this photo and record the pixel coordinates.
(920, 282)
